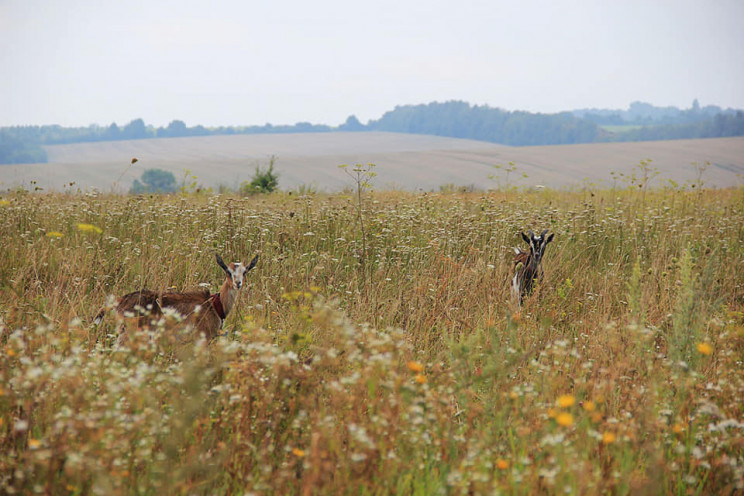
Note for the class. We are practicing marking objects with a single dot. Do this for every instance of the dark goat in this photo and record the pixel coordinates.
(528, 264)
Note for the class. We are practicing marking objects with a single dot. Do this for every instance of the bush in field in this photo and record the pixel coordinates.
(155, 181)
(263, 181)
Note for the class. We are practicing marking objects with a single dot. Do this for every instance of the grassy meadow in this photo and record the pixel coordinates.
(375, 349)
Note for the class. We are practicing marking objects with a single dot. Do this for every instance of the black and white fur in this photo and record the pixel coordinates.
(528, 264)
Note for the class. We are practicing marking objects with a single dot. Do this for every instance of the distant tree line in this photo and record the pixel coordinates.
(15, 150)
(720, 126)
(23, 144)
(457, 119)
(645, 114)
(461, 120)
(137, 129)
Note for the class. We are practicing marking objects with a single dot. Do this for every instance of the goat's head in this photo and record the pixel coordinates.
(236, 270)
(537, 243)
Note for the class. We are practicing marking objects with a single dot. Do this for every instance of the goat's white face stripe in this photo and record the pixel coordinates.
(237, 271)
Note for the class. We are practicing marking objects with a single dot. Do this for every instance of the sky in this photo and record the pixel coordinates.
(252, 62)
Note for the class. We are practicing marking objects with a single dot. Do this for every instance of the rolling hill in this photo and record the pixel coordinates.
(404, 161)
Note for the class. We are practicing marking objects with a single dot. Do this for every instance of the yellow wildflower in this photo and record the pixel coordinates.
(678, 428)
(564, 419)
(565, 400)
(4, 203)
(589, 406)
(34, 443)
(420, 378)
(298, 452)
(415, 367)
(89, 228)
(54, 234)
(295, 295)
(704, 348)
(608, 437)
(502, 464)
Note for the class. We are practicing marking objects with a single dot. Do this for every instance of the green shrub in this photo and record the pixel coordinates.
(263, 181)
(155, 181)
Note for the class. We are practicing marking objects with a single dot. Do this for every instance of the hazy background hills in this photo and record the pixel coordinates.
(449, 144)
(455, 119)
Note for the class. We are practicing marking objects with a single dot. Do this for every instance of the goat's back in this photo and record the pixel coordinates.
(521, 258)
(138, 302)
(147, 306)
(185, 303)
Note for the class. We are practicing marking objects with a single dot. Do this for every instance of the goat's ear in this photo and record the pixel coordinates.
(221, 263)
(252, 264)
(525, 238)
(549, 238)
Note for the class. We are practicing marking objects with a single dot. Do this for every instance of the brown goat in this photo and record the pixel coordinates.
(204, 311)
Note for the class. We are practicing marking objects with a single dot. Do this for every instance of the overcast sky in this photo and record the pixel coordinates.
(247, 62)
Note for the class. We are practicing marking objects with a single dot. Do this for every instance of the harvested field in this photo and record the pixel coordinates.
(409, 162)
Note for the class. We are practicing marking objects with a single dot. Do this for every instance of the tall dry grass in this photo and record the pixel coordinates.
(410, 373)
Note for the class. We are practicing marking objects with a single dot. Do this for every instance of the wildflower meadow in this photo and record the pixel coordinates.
(375, 348)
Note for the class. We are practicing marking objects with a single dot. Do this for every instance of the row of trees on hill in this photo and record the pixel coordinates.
(15, 150)
(24, 144)
(645, 114)
(457, 119)
(461, 120)
(137, 129)
(720, 126)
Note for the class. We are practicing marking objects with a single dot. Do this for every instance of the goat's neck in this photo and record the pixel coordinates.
(228, 295)
(533, 265)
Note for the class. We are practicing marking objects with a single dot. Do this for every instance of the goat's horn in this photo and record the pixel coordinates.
(221, 263)
(545, 231)
(252, 264)
(532, 235)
